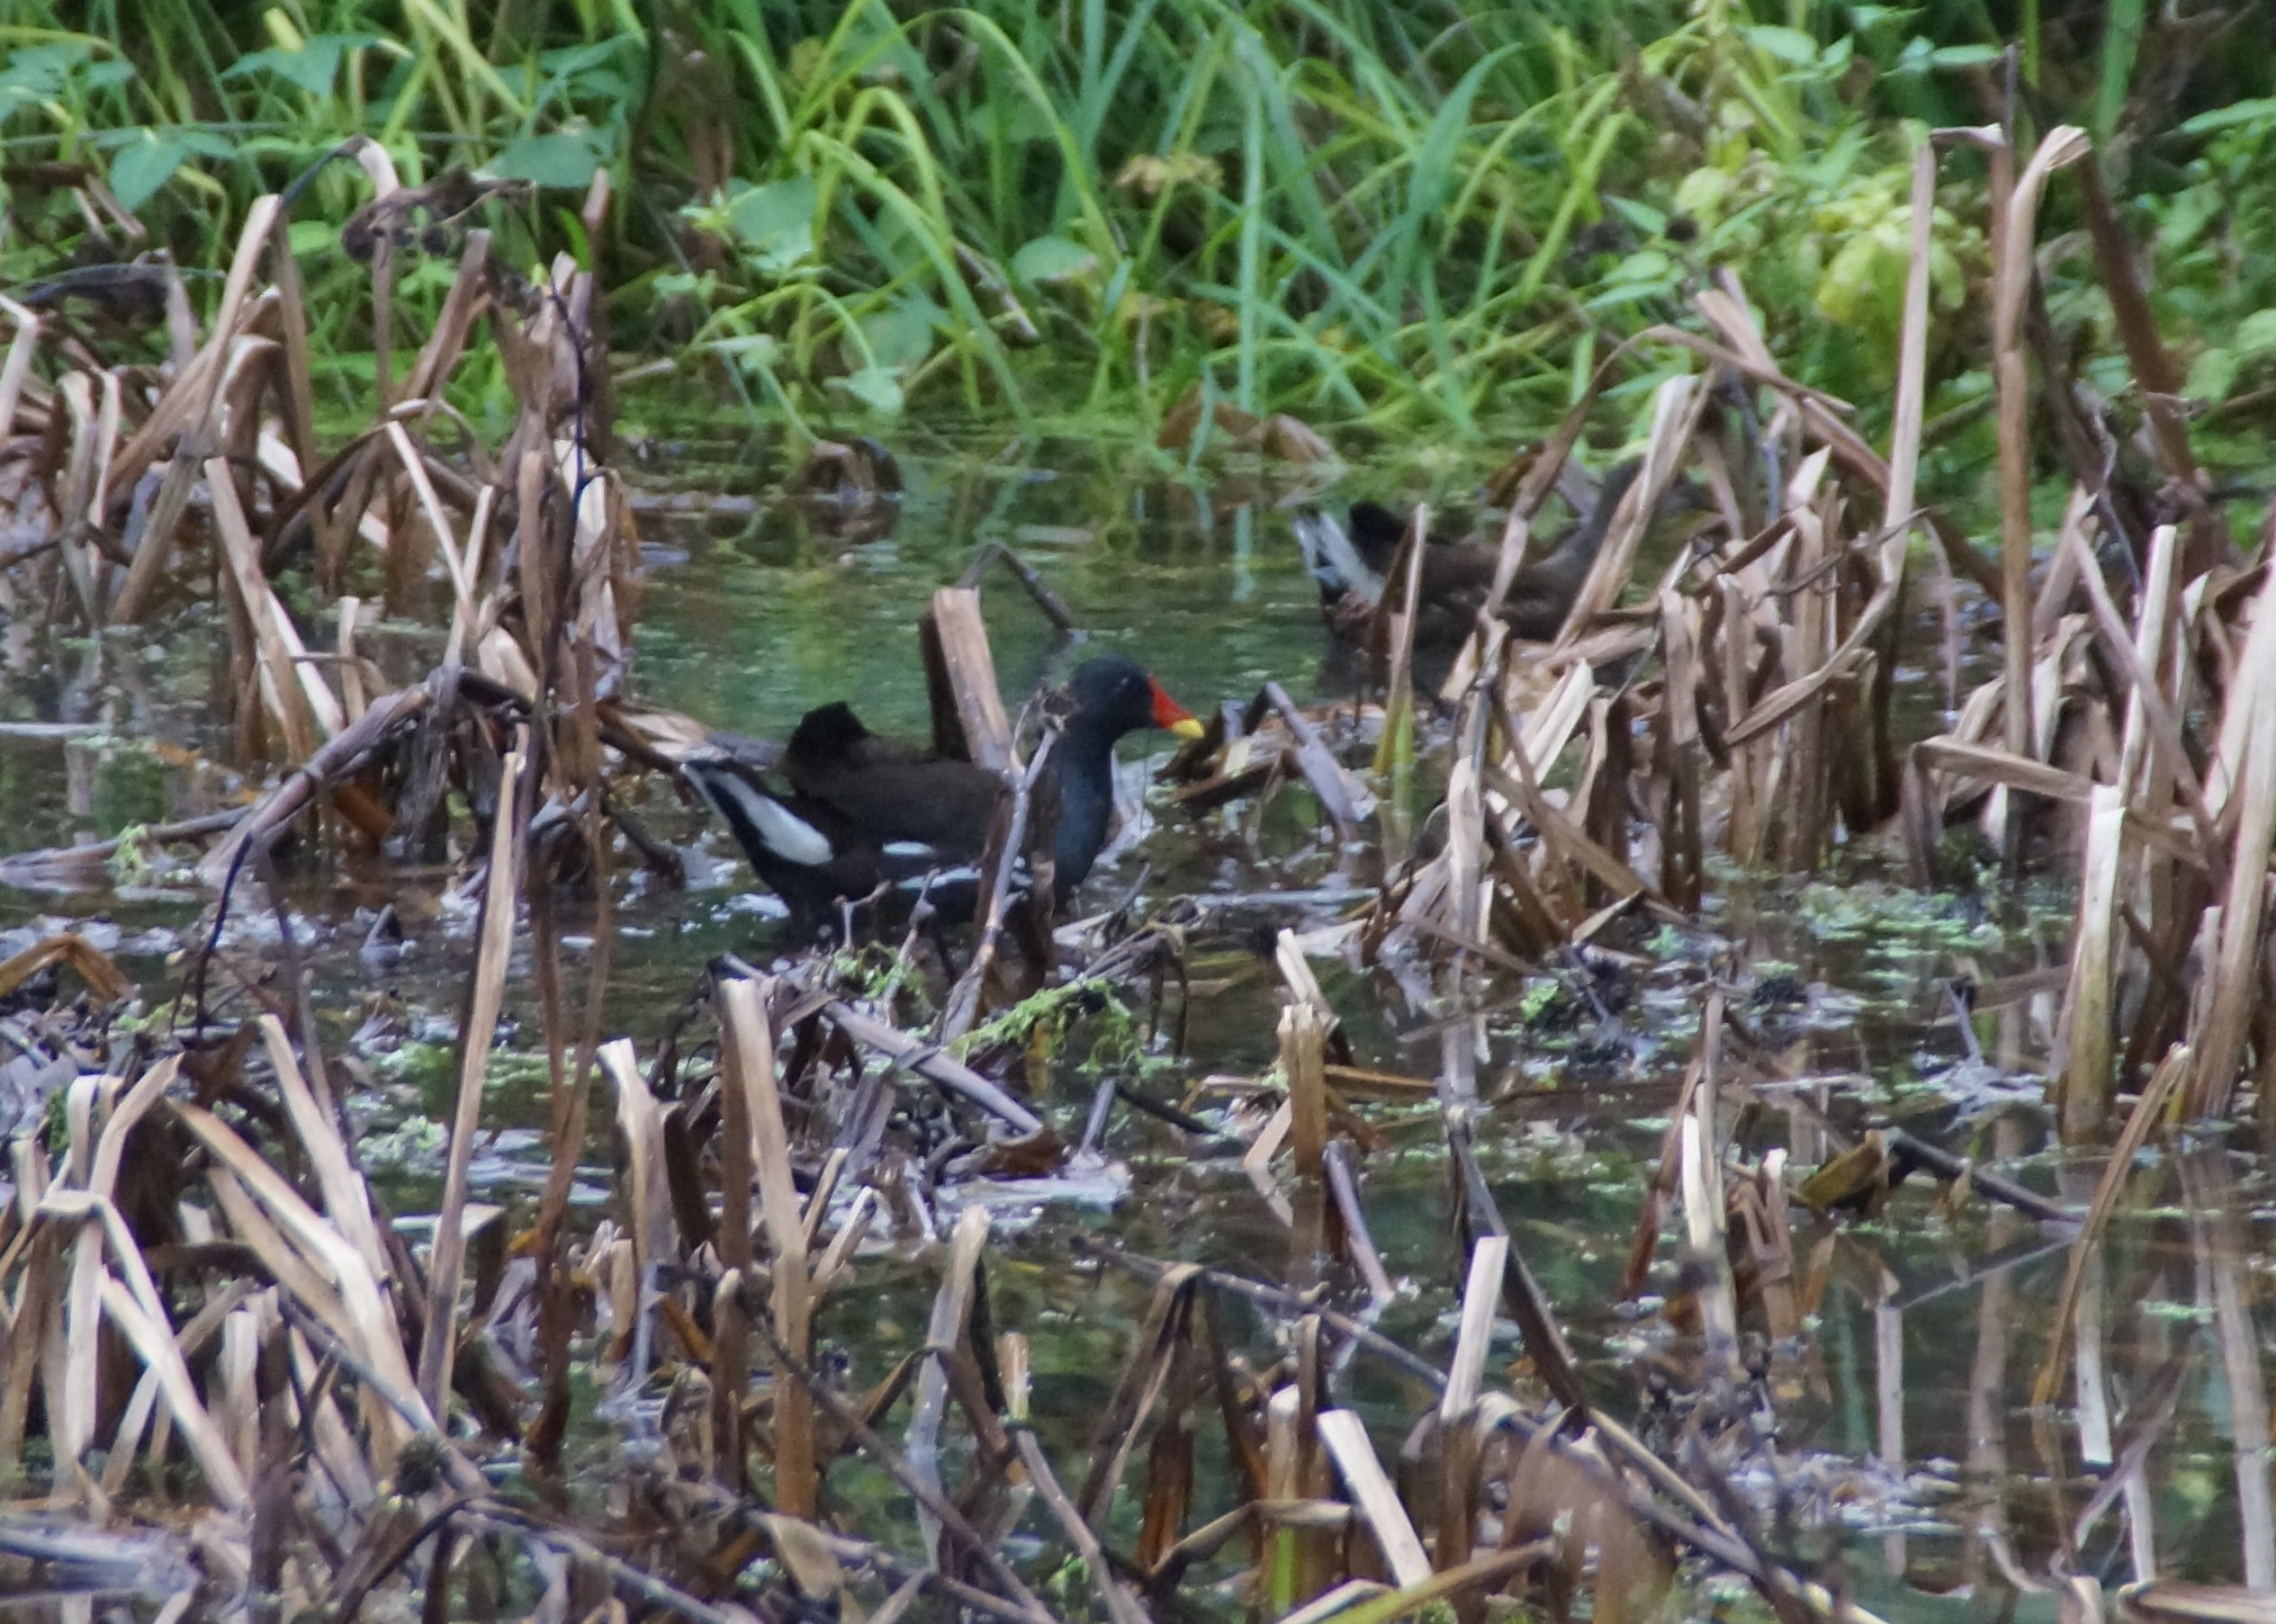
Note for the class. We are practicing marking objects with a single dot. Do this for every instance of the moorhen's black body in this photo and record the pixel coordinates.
(1350, 563)
(863, 815)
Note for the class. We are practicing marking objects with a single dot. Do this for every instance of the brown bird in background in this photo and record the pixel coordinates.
(1351, 560)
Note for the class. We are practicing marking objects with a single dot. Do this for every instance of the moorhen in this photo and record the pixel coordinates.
(863, 815)
(1351, 563)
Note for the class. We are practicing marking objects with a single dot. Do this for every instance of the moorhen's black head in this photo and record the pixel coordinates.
(1113, 695)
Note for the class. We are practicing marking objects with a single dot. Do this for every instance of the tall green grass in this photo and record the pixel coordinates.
(1399, 217)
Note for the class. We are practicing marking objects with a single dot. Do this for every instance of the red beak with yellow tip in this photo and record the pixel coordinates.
(1172, 716)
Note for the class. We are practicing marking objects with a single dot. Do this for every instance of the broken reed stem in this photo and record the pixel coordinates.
(2011, 385)
(929, 1500)
(944, 1337)
(962, 1008)
(570, 1107)
(1481, 1298)
(647, 1214)
(299, 393)
(352, 693)
(2143, 685)
(748, 1056)
(1359, 1245)
(498, 1516)
(933, 1064)
(1904, 433)
(1522, 1298)
(194, 395)
(2088, 1079)
(1346, 1436)
(2148, 1111)
(502, 890)
(1053, 608)
(2238, 963)
(1304, 1059)
(2015, 217)
(294, 691)
(730, 1335)
(1704, 1206)
(2153, 623)
(968, 719)
(1342, 800)
(18, 365)
(1676, 408)
(1122, 1607)
(1680, 858)
(1395, 751)
(384, 318)
(1121, 1602)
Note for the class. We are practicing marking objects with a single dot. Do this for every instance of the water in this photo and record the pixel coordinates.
(1918, 1474)
(749, 628)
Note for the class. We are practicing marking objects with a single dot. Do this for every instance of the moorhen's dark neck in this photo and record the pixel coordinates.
(1082, 764)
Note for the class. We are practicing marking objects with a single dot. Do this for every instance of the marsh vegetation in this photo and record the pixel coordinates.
(1734, 1070)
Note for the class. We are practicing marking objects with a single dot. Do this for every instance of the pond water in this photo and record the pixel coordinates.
(1920, 1477)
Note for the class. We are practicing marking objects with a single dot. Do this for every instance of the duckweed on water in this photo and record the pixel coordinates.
(415, 1143)
(1865, 910)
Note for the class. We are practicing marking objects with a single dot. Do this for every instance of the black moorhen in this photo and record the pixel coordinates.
(863, 814)
(1351, 563)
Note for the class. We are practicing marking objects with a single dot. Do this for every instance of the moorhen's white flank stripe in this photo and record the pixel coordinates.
(788, 836)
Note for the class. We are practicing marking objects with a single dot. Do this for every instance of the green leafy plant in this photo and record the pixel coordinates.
(847, 211)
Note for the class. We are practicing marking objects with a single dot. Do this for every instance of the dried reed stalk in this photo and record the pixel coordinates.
(1303, 1059)
(501, 890)
(2249, 716)
(2014, 234)
(195, 394)
(1904, 428)
(333, 1283)
(2088, 1079)
(1346, 1436)
(729, 1347)
(949, 1328)
(17, 368)
(2140, 1122)
(1676, 410)
(1395, 749)
(969, 720)
(294, 691)
(1009, 844)
(1473, 1340)
(747, 1054)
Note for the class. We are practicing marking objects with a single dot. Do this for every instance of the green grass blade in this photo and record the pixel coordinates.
(1582, 189)
(1252, 240)
(2122, 43)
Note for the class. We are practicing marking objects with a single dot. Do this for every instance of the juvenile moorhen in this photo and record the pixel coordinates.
(1351, 563)
(863, 815)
